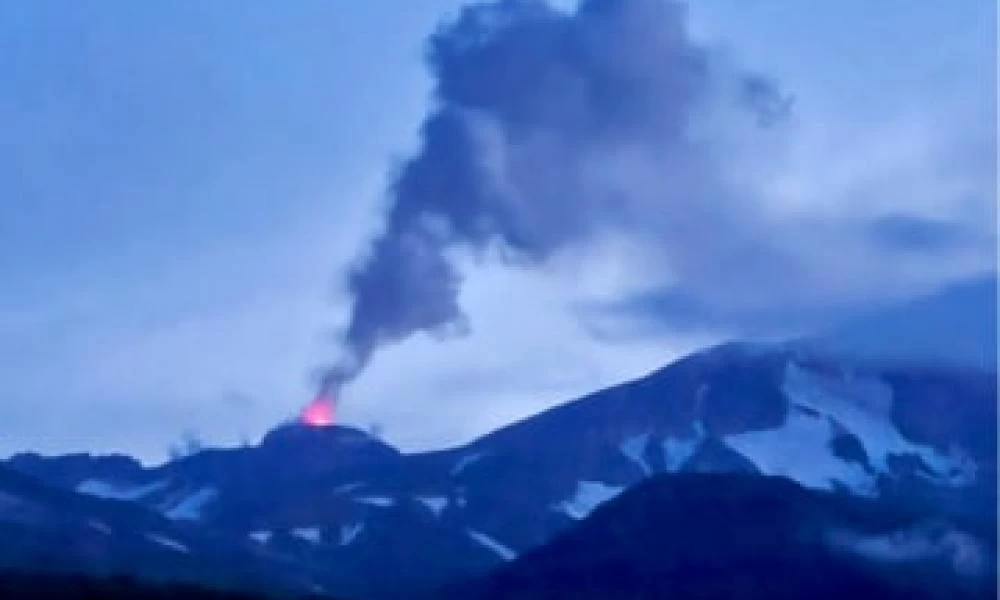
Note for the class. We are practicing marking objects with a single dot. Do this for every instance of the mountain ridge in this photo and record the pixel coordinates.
(352, 507)
(727, 536)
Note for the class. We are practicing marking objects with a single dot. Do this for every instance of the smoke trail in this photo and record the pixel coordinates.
(548, 128)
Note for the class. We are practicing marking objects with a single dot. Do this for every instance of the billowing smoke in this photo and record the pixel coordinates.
(549, 129)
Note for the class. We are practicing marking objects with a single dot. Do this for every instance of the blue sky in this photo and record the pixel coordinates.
(182, 185)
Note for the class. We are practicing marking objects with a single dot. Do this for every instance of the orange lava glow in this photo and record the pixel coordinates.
(319, 412)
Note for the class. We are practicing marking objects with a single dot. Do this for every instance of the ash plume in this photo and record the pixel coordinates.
(549, 128)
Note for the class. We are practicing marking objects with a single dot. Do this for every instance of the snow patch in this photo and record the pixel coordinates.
(435, 504)
(261, 537)
(17, 509)
(350, 532)
(189, 508)
(167, 542)
(113, 491)
(587, 496)
(634, 449)
(99, 526)
(380, 501)
(676, 451)
(504, 552)
(465, 461)
(347, 487)
(862, 405)
(309, 534)
(800, 450)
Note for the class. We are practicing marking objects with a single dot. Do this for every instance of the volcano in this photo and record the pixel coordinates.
(319, 412)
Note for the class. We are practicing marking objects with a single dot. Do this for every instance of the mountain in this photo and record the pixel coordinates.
(739, 536)
(366, 520)
(53, 531)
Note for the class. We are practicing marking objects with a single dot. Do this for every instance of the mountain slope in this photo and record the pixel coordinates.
(56, 531)
(720, 536)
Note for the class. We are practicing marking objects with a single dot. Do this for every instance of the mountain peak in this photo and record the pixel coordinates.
(300, 433)
(332, 443)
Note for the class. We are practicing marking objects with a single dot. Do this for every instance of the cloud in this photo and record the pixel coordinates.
(879, 188)
(960, 552)
(666, 311)
(910, 233)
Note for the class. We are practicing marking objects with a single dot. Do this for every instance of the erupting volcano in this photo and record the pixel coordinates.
(319, 412)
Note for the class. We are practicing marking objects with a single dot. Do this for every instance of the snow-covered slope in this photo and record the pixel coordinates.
(838, 432)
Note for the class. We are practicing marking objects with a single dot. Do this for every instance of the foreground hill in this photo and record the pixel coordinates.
(66, 587)
(732, 536)
(52, 532)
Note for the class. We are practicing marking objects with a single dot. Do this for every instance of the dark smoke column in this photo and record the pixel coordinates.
(528, 100)
(406, 285)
